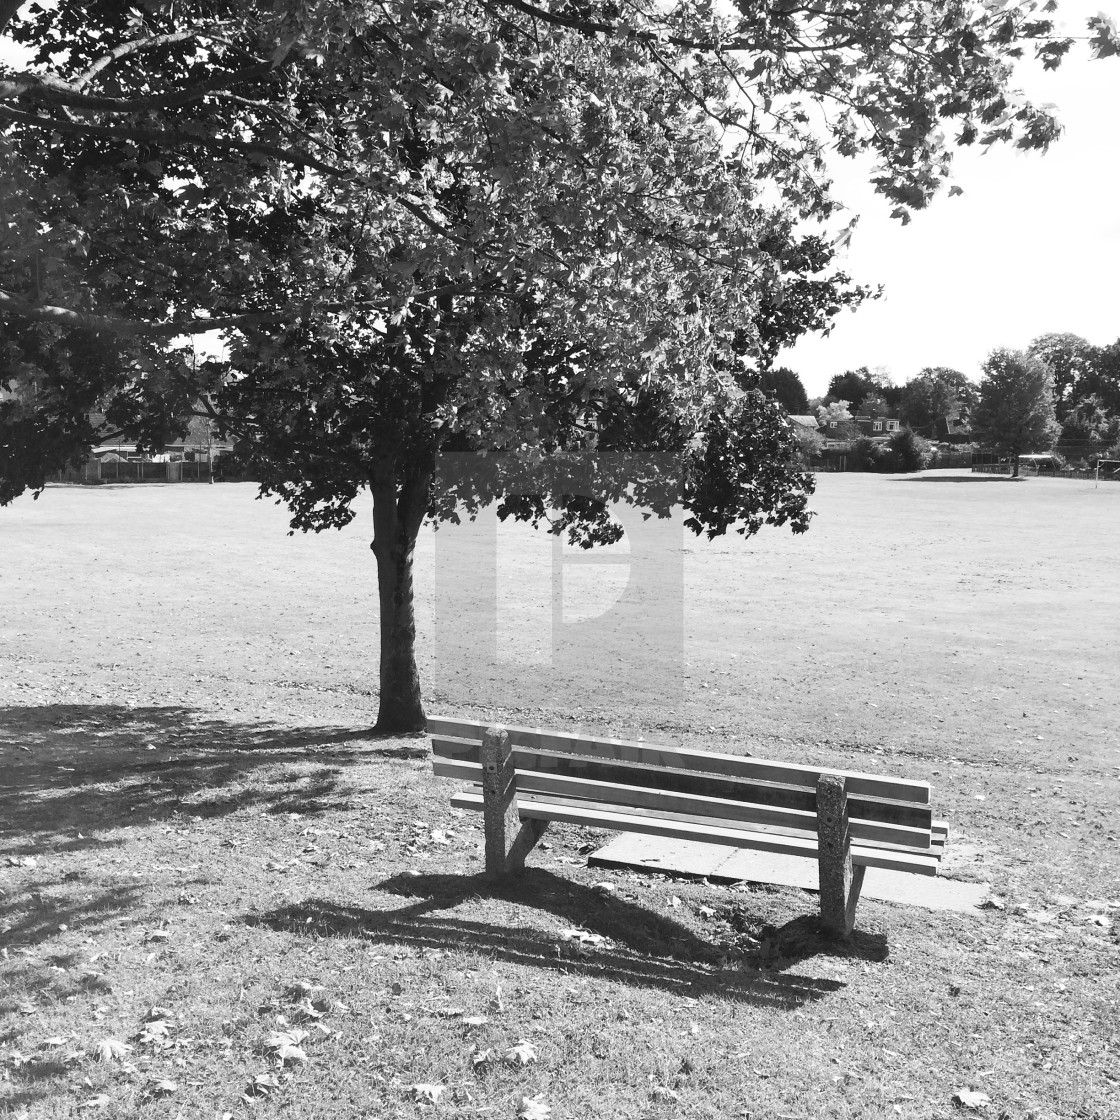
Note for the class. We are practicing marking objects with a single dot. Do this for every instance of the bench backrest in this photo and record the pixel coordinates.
(747, 792)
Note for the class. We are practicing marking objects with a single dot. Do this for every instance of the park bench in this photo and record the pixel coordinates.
(522, 778)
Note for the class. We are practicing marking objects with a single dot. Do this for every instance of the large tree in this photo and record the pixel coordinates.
(1072, 361)
(860, 386)
(936, 392)
(478, 226)
(1015, 412)
(787, 389)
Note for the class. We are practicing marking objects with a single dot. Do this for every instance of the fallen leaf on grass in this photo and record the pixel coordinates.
(111, 1049)
(285, 1045)
(301, 989)
(161, 1087)
(582, 937)
(53, 1042)
(27, 1009)
(261, 1085)
(305, 1009)
(533, 1108)
(158, 935)
(290, 1053)
(474, 1020)
(664, 1093)
(966, 1098)
(102, 1100)
(155, 1013)
(154, 1032)
(520, 1054)
(427, 1094)
(482, 1058)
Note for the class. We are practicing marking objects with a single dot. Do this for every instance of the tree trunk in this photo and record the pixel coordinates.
(1014, 466)
(398, 513)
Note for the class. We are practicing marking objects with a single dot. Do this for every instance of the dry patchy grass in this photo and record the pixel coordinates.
(198, 833)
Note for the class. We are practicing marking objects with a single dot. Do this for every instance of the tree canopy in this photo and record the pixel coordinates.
(1015, 412)
(936, 392)
(787, 389)
(477, 226)
(856, 386)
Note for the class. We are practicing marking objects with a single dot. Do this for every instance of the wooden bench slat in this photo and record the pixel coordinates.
(535, 808)
(627, 797)
(661, 814)
(720, 765)
(680, 781)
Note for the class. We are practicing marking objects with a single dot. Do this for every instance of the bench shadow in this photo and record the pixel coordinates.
(73, 769)
(642, 948)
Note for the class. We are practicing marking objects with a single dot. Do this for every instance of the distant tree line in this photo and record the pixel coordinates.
(1061, 393)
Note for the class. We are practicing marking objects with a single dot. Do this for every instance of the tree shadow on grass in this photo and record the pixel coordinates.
(32, 982)
(30, 920)
(71, 770)
(961, 478)
(643, 948)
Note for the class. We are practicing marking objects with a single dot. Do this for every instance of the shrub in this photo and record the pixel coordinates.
(909, 451)
(809, 445)
(867, 455)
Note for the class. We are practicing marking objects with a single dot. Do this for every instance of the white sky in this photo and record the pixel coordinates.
(1032, 246)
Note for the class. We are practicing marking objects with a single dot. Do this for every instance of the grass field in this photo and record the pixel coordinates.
(197, 832)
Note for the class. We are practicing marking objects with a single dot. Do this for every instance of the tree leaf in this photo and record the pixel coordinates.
(426, 1093)
(967, 1098)
(520, 1054)
(110, 1049)
(533, 1108)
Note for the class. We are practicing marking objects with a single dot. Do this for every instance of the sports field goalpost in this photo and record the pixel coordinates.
(1112, 470)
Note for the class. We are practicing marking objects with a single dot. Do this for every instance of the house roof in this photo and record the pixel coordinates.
(805, 421)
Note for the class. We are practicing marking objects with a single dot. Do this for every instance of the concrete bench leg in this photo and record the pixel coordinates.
(840, 882)
(509, 839)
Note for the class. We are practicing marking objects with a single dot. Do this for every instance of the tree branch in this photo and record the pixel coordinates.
(169, 138)
(134, 47)
(593, 27)
(168, 328)
(8, 9)
(39, 89)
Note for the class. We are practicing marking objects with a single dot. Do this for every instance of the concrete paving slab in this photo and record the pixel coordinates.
(720, 864)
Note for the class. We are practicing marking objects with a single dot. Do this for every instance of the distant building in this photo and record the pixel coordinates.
(953, 428)
(877, 425)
